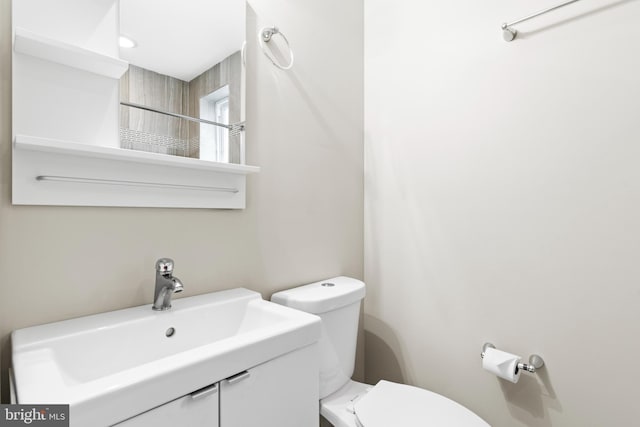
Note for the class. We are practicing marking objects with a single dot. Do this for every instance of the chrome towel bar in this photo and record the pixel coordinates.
(509, 34)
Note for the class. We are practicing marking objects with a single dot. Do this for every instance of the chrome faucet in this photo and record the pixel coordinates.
(166, 284)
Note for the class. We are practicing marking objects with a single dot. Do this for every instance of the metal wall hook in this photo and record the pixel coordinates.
(535, 361)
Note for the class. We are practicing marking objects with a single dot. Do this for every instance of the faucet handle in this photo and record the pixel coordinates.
(164, 265)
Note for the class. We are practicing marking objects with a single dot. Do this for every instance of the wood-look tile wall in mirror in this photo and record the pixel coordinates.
(186, 59)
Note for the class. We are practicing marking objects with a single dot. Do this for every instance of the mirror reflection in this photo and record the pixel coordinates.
(183, 94)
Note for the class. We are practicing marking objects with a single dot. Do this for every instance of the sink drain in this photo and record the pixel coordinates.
(170, 332)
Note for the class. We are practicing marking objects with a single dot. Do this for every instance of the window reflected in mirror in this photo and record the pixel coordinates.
(183, 98)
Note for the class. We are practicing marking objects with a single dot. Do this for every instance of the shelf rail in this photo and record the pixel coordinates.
(79, 180)
(509, 34)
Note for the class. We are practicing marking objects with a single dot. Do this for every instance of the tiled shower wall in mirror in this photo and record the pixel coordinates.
(154, 132)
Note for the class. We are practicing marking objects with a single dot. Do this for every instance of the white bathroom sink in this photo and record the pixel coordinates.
(98, 363)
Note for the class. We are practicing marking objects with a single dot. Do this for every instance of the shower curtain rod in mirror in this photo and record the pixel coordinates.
(233, 127)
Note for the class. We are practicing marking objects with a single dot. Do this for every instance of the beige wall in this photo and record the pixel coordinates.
(304, 216)
(503, 204)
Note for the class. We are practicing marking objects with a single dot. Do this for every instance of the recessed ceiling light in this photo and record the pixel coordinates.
(126, 42)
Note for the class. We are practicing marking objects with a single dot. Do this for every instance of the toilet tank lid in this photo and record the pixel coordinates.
(323, 296)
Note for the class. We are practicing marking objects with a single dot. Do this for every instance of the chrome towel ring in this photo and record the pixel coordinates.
(264, 36)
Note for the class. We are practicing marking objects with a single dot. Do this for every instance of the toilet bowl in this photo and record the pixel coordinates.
(347, 403)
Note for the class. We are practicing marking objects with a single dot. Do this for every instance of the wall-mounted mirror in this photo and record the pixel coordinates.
(68, 82)
(186, 72)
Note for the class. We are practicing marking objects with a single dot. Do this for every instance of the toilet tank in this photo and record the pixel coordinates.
(337, 302)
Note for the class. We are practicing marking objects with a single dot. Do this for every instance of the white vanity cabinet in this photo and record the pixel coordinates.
(226, 358)
(274, 394)
(282, 392)
(198, 409)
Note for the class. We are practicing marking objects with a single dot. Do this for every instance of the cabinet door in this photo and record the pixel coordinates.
(198, 409)
(280, 393)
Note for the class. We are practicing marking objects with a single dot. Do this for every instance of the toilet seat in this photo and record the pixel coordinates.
(391, 404)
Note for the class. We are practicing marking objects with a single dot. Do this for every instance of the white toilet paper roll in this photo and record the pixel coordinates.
(502, 364)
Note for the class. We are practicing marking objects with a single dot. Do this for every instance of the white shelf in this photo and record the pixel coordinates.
(30, 43)
(32, 143)
(53, 172)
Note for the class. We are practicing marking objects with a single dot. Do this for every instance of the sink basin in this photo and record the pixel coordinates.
(114, 365)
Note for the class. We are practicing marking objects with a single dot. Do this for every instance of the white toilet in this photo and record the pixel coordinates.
(347, 403)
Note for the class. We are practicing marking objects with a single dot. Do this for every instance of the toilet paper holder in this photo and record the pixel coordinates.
(535, 361)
